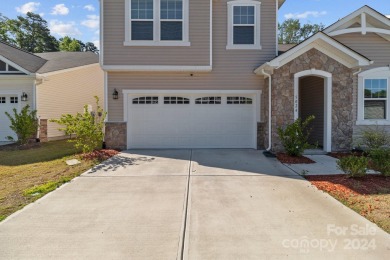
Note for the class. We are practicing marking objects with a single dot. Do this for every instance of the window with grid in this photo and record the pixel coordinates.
(145, 100)
(243, 25)
(208, 100)
(2, 100)
(375, 98)
(171, 20)
(239, 100)
(6, 68)
(14, 100)
(176, 100)
(142, 20)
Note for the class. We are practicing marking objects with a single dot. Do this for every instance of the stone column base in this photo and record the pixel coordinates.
(116, 136)
(43, 130)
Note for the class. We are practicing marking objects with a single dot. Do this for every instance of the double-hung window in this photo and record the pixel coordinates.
(243, 25)
(373, 96)
(157, 23)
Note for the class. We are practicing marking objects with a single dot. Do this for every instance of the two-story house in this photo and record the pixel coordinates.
(197, 74)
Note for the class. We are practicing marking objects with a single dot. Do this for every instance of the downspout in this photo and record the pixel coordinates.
(269, 108)
(357, 72)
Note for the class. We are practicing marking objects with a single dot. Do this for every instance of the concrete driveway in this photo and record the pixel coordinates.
(190, 204)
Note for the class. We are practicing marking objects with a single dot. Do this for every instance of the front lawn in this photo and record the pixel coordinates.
(26, 175)
(369, 196)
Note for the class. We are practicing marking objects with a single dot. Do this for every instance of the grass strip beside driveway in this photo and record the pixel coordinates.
(26, 175)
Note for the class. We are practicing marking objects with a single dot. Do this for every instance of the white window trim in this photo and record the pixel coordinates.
(377, 73)
(256, 45)
(156, 27)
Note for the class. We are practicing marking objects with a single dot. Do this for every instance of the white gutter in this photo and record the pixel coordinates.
(269, 108)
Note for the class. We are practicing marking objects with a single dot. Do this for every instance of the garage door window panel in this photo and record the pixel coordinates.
(145, 100)
(176, 100)
(208, 100)
(14, 100)
(239, 100)
(2, 100)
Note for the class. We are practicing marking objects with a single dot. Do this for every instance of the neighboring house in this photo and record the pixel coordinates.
(52, 83)
(197, 74)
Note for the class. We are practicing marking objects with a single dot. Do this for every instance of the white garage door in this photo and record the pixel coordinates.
(191, 121)
(7, 103)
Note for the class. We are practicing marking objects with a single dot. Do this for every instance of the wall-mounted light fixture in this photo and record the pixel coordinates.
(115, 94)
(24, 97)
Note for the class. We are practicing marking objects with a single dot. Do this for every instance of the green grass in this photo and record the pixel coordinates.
(26, 175)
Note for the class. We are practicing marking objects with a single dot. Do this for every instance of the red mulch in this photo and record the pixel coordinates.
(285, 158)
(100, 155)
(346, 186)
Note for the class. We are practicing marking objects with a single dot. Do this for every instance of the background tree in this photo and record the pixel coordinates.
(69, 44)
(291, 31)
(4, 30)
(32, 34)
(90, 46)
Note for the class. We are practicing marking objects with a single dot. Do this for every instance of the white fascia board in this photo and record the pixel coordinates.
(300, 49)
(67, 70)
(358, 12)
(147, 68)
(362, 30)
(16, 66)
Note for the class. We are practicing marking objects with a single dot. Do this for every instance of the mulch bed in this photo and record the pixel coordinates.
(347, 186)
(285, 158)
(100, 155)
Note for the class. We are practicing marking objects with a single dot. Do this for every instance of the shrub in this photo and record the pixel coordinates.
(295, 136)
(24, 124)
(87, 128)
(375, 138)
(381, 160)
(354, 166)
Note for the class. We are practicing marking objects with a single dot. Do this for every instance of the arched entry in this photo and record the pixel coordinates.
(303, 103)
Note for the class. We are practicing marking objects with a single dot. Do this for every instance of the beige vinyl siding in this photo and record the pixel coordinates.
(68, 92)
(311, 102)
(115, 53)
(370, 45)
(232, 69)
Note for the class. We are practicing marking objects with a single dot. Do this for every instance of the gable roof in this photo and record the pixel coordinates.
(44, 62)
(324, 44)
(66, 60)
(28, 61)
(367, 19)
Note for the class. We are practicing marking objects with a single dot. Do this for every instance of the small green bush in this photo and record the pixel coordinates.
(24, 124)
(354, 166)
(374, 138)
(381, 160)
(295, 136)
(87, 128)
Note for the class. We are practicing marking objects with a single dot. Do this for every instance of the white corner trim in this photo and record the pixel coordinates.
(16, 66)
(47, 74)
(158, 68)
(106, 94)
(211, 33)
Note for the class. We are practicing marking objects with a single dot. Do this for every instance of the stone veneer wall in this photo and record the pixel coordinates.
(116, 136)
(260, 136)
(283, 97)
(43, 130)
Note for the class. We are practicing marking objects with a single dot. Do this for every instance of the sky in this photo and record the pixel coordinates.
(80, 18)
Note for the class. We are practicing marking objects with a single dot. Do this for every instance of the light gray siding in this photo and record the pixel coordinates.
(370, 45)
(232, 69)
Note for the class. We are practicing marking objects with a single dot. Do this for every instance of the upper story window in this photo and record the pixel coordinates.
(373, 96)
(243, 25)
(156, 23)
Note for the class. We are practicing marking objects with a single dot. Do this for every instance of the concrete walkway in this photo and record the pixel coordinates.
(190, 204)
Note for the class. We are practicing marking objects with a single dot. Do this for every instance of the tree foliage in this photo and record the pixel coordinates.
(31, 33)
(24, 124)
(292, 32)
(87, 127)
